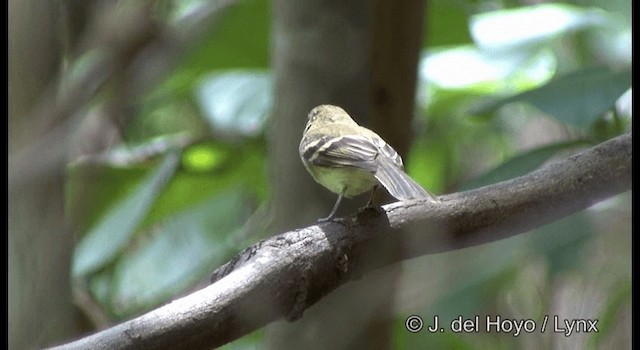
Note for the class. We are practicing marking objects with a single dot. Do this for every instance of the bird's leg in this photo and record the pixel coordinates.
(370, 202)
(335, 208)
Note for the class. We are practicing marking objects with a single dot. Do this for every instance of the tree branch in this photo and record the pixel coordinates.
(284, 275)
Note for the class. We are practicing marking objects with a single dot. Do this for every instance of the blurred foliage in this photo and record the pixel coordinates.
(157, 226)
(577, 99)
(497, 96)
(536, 82)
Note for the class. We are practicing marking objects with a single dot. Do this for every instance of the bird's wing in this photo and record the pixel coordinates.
(344, 151)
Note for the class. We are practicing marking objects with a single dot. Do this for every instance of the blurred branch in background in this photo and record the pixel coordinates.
(286, 274)
(123, 36)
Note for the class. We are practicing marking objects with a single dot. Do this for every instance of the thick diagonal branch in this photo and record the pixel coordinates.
(284, 275)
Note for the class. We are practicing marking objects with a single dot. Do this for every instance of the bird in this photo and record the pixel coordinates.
(349, 159)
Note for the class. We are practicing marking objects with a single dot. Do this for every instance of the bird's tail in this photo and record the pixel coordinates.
(398, 183)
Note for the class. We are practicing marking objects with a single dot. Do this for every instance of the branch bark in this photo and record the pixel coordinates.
(282, 276)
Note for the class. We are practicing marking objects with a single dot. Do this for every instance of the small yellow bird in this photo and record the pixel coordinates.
(349, 159)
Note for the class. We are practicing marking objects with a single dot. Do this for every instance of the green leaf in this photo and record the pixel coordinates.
(578, 98)
(236, 102)
(239, 38)
(100, 287)
(236, 166)
(110, 235)
(533, 26)
(520, 164)
(446, 23)
(205, 157)
(182, 250)
(467, 67)
(92, 189)
(426, 164)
